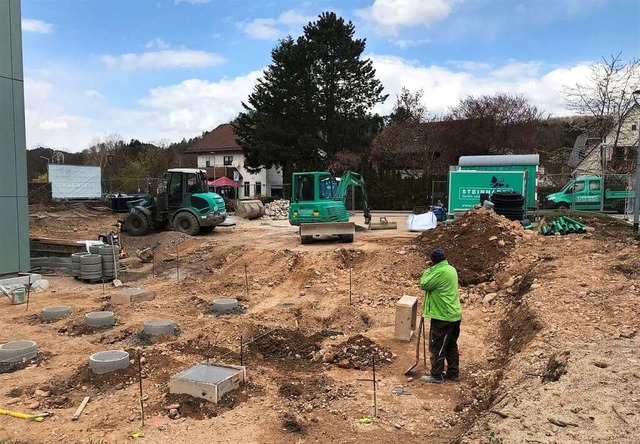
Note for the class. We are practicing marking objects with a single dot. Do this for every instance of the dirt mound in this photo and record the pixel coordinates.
(357, 352)
(474, 244)
(291, 349)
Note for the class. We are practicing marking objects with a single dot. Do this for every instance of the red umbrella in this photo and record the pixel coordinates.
(223, 182)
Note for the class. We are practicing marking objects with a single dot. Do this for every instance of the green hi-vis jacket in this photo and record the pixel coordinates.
(441, 299)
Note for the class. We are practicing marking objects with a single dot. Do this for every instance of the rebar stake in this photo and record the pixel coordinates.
(140, 383)
(246, 279)
(241, 351)
(375, 395)
(350, 285)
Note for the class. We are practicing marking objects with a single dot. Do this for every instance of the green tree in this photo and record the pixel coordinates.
(314, 101)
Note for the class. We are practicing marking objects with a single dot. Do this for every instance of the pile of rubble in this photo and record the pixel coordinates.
(276, 210)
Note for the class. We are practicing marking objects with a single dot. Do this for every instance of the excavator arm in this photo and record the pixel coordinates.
(350, 178)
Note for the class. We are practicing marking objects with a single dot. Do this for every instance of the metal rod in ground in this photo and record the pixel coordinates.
(246, 280)
(28, 292)
(177, 267)
(208, 351)
(153, 261)
(375, 394)
(140, 383)
(349, 285)
(241, 351)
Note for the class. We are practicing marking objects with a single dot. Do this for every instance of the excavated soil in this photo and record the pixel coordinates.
(549, 336)
(359, 352)
(474, 244)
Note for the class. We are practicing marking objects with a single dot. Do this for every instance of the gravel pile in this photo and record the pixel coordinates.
(276, 210)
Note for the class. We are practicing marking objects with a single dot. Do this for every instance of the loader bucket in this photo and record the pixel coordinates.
(250, 209)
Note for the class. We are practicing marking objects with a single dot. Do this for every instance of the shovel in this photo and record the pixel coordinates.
(420, 333)
(116, 282)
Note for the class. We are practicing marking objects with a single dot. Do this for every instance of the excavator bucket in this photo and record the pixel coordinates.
(383, 225)
(250, 209)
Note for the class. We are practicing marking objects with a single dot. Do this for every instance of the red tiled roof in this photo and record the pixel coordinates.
(221, 139)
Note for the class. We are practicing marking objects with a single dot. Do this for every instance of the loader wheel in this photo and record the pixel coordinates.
(562, 206)
(137, 224)
(347, 238)
(207, 229)
(186, 223)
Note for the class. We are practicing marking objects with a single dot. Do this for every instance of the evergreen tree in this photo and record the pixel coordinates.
(314, 101)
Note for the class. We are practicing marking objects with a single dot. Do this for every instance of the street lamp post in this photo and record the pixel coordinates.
(636, 200)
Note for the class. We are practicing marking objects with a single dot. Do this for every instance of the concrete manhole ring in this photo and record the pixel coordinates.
(222, 305)
(17, 351)
(156, 327)
(53, 313)
(99, 319)
(108, 361)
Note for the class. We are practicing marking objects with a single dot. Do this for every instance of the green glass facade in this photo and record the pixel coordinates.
(14, 216)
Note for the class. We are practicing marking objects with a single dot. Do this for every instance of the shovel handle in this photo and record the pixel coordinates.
(420, 329)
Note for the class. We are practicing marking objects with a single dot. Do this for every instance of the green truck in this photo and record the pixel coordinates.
(587, 193)
(466, 187)
(524, 163)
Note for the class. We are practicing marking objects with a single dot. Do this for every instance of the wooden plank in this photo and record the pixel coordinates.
(79, 410)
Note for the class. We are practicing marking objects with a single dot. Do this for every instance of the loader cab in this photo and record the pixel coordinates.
(183, 182)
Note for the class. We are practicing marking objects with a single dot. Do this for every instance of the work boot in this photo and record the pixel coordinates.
(454, 378)
(431, 379)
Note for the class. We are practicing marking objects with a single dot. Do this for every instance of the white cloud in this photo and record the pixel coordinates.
(61, 115)
(167, 58)
(390, 15)
(193, 2)
(157, 43)
(444, 86)
(272, 28)
(38, 26)
(409, 43)
(93, 94)
(196, 105)
(49, 125)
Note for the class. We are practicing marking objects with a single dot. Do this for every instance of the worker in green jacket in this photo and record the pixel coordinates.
(442, 306)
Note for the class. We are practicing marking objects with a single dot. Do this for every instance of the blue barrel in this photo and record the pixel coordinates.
(438, 211)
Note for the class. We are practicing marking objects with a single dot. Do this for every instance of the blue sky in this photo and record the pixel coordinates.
(161, 70)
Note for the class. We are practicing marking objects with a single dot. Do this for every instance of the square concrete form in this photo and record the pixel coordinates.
(406, 312)
(129, 295)
(208, 381)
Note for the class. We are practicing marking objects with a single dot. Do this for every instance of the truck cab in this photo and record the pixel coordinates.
(586, 193)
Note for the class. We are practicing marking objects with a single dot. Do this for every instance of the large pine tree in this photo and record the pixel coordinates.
(313, 102)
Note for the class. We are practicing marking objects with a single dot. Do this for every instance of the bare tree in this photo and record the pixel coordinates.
(606, 98)
(102, 150)
(496, 124)
(407, 143)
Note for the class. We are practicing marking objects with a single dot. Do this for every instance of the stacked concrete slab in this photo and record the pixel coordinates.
(131, 295)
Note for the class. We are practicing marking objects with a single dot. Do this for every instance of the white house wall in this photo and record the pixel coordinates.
(269, 179)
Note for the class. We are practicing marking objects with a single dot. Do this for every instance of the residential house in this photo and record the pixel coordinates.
(220, 155)
(593, 157)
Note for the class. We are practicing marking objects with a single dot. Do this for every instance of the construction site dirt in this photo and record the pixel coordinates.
(549, 347)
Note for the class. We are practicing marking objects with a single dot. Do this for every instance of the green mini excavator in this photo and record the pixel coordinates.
(318, 205)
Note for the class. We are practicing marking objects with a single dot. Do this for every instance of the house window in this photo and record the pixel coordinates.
(228, 160)
(208, 163)
(247, 189)
(258, 187)
(634, 127)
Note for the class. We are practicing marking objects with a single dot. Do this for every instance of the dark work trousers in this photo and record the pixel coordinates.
(443, 344)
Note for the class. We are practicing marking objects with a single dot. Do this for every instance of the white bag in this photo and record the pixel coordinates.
(422, 222)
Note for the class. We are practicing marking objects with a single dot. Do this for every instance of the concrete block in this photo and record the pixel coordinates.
(120, 299)
(108, 361)
(208, 381)
(17, 351)
(130, 295)
(406, 312)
